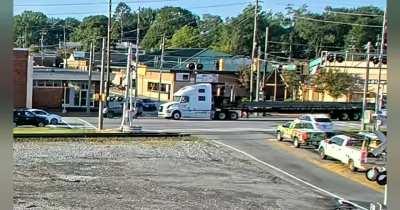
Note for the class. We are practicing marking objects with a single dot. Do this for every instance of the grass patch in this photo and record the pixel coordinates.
(44, 130)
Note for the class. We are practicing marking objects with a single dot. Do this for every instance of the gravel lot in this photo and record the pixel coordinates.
(186, 173)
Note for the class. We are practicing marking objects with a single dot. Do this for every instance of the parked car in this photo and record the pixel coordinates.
(26, 117)
(301, 133)
(352, 150)
(52, 118)
(115, 109)
(319, 121)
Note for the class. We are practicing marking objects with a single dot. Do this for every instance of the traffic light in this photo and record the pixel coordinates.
(191, 66)
(199, 66)
(194, 66)
(217, 65)
(332, 57)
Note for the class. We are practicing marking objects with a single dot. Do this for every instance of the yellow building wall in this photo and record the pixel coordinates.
(145, 76)
(353, 67)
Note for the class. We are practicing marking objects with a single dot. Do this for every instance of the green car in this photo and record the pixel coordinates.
(300, 133)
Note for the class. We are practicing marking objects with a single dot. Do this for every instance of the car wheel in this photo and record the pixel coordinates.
(296, 143)
(41, 124)
(382, 178)
(233, 116)
(176, 115)
(372, 174)
(279, 136)
(351, 166)
(322, 154)
(54, 121)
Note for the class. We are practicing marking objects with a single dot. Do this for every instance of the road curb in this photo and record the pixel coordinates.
(97, 135)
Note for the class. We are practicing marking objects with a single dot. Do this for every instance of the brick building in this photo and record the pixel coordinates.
(23, 68)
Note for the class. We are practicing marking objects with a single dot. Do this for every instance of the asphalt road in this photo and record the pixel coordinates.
(254, 136)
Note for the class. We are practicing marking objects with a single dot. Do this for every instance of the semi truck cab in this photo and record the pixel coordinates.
(194, 101)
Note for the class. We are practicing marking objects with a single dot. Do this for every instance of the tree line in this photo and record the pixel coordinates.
(296, 32)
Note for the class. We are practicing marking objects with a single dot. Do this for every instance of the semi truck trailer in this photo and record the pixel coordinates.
(198, 101)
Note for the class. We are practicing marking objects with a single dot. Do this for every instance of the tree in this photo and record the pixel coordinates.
(336, 82)
(90, 30)
(121, 14)
(27, 27)
(208, 27)
(167, 21)
(186, 37)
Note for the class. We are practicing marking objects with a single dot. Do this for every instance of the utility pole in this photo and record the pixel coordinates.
(258, 74)
(108, 52)
(253, 52)
(101, 105)
(378, 98)
(125, 113)
(122, 29)
(136, 60)
(91, 58)
(41, 45)
(161, 66)
(265, 57)
(275, 83)
(364, 104)
(65, 50)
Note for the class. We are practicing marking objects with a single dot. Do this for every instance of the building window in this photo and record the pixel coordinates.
(202, 98)
(185, 77)
(153, 87)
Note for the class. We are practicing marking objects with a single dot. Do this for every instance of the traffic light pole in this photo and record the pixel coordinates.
(125, 114)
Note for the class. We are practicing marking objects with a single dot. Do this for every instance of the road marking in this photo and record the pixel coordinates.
(87, 123)
(290, 175)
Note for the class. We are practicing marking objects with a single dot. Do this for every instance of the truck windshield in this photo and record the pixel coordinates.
(177, 98)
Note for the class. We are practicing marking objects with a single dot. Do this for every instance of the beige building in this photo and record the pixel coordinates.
(224, 83)
(358, 68)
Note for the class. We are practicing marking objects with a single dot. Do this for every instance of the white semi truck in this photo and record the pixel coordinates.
(197, 101)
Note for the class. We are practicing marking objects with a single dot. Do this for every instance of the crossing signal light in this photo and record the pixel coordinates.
(195, 66)
(330, 57)
(339, 58)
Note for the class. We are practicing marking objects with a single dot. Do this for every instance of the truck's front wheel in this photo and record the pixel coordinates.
(296, 142)
(351, 166)
(176, 115)
(279, 136)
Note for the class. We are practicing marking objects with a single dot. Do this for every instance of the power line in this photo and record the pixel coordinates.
(356, 14)
(335, 22)
(88, 3)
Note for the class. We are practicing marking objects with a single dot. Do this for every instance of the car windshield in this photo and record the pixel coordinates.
(323, 120)
(40, 112)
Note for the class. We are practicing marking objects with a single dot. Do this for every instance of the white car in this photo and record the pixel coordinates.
(52, 118)
(319, 121)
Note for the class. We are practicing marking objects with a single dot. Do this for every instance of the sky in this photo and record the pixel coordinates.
(224, 8)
